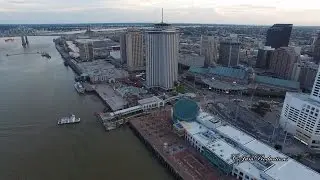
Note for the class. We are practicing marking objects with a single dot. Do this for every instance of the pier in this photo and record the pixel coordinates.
(17, 54)
(155, 131)
(67, 60)
(43, 54)
(88, 87)
(114, 120)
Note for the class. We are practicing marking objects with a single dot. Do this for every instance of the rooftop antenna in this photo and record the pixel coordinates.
(162, 15)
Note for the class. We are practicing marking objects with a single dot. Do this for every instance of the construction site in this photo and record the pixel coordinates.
(156, 132)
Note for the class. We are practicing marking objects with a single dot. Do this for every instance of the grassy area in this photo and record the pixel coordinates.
(180, 89)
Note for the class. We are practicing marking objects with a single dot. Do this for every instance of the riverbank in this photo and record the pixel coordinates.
(67, 59)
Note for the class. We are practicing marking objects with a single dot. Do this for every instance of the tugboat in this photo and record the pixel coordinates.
(80, 89)
(69, 120)
(44, 54)
(9, 40)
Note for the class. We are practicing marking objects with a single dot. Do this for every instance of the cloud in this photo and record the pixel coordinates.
(17, 2)
(194, 11)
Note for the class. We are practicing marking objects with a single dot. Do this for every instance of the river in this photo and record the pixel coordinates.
(34, 93)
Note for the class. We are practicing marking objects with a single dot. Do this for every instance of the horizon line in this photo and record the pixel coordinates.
(191, 23)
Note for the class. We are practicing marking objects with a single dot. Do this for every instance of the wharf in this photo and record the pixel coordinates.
(111, 122)
(110, 97)
(68, 60)
(155, 130)
(88, 87)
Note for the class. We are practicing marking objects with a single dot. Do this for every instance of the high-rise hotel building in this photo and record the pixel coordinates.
(209, 49)
(134, 50)
(162, 48)
(300, 115)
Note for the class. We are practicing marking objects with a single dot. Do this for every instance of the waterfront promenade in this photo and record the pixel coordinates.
(155, 131)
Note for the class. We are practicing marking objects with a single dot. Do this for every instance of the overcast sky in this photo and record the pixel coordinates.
(298, 12)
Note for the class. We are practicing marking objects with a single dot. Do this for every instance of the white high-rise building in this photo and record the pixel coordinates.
(300, 115)
(209, 49)
(162, 48)
(315, 94)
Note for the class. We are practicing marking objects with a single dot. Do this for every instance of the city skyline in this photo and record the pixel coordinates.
(261, 12)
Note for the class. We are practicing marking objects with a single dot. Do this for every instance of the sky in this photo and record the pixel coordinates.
(262, 12)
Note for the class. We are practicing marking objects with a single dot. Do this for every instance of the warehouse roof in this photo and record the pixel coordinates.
(221, 71)
(277, 82)
(279, 170)
(229, 72)
(153, 99)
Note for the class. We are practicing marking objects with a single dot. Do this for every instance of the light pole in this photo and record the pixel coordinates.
(237, 111)
(255, 87)
(194, 81)
(274, 128)
(285, 137)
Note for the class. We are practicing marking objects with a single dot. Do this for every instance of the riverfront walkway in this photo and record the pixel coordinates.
(183, 161)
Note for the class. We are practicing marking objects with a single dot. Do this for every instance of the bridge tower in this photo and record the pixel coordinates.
(23, 41)
(27, 41)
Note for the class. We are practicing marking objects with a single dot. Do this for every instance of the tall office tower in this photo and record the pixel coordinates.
(282, 62)
(264, 57)
(162, 48)
(316, 50)
(300, 115)
(134, 50)
(229, 53)
(209, 50)
(279, 35)
(305, 73)
(123, 48)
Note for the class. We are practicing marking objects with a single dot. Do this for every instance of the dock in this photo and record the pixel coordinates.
(88, 87)
(68, 60)
(155, 131)
(110, 97)
(111, 121)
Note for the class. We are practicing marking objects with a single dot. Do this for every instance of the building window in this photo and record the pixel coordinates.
(246, 177)
(241, 173)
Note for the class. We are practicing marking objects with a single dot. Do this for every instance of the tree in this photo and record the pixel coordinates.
(278, 147)
(180, 89)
